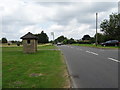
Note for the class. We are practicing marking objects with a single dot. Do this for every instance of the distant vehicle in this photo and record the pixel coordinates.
(111, 43)
(59, 44)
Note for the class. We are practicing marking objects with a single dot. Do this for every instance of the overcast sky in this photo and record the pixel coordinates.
(71, 19)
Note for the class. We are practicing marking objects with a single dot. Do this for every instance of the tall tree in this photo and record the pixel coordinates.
(86, 37)
(60, 39)
(4, 40)
(42, 37)
(111, 27)
(71, 41)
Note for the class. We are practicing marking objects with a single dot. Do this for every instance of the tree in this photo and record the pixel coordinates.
(42, 37)
(65, 41)
(111, 27)
(92, 40)
(60, 39)
(86, 37)
(4, 40)
(14, 41)
(100, 37)
(71, 41)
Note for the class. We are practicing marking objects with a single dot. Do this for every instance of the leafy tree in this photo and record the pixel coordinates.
(71, 41)
(111, 27)
(86, 37)
(14, 41)
(18, 43)
(65, 41)
(42, 37)
(4, 40)
(100, 37)
(60, 39)
(92, 40)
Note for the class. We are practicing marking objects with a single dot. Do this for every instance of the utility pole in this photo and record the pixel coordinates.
(96, 28)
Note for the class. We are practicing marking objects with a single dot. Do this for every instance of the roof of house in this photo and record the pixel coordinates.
(29, 35)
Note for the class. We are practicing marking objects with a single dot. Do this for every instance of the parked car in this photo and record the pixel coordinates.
(111, 43)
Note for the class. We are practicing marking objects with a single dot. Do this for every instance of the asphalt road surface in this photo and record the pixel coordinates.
(91, 67)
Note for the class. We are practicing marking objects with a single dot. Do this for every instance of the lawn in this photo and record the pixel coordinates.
(47, 46)
(98, 46)
(44, 69)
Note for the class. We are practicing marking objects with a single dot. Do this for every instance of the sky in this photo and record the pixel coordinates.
(73, 19)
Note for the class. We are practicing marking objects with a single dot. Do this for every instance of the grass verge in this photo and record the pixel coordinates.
(98, 46)
(47, 46)
(44, 69)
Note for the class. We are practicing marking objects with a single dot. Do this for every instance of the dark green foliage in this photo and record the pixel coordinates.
(92, 40)
(60, 39)
(42, 37)
(111, 27)
(86, 37)
(64, 40)
(100, 38)
(18, 43)
(14, 41)
(4, 40)
(71, 41)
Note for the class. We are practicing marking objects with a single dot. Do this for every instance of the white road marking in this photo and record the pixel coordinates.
(92, 52)
(88, 51)
(113, 59)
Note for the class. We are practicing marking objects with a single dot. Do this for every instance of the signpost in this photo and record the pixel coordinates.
(52, 33)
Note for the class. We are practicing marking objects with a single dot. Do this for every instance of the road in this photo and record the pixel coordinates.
(91, 67)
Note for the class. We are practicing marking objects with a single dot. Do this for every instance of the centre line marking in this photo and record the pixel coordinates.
(114, 60)
(92, 52)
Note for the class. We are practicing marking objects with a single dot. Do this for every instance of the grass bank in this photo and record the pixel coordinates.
(98, 46)
(44, 69)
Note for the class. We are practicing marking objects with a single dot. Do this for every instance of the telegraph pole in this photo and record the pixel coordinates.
(96, 28)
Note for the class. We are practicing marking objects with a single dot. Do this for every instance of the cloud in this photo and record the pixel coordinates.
(64, 18)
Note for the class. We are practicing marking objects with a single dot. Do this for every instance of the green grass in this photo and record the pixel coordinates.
(44, 69)
(98, 46)
(47, 47)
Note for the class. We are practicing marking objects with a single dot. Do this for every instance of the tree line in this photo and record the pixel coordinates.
(42, 38)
